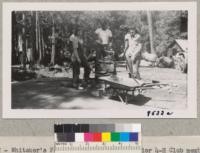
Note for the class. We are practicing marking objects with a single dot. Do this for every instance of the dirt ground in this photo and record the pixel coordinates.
(55, 91)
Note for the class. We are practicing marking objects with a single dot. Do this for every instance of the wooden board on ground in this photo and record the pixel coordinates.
(120, 86)
(119, 82)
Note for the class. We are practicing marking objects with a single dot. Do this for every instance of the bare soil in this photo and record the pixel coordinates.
(44, 89)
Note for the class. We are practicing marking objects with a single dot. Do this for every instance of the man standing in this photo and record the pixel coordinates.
(103, 38)
(78, 58)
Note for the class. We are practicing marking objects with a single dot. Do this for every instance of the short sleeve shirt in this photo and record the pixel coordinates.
(20, 43)
(103, 36)
(132, 40)
(74, 40)
(134, 46)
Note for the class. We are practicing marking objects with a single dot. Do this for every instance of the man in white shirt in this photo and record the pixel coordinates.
(103, 40)
(104, 36)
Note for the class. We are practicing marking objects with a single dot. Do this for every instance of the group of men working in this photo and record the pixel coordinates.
(103, 40)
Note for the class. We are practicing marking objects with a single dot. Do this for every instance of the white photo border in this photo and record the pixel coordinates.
(190, 112)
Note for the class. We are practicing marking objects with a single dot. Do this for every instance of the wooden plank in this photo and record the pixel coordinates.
(128, 83)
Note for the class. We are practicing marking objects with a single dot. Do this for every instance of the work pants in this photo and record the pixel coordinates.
(76, 70)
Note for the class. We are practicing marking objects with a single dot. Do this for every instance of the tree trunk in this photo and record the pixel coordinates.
(33, 37)
(23, 41)
(149, 17)
(36, 31)
(43, 44)
(14, 39)
(53, 44)
(39, 44)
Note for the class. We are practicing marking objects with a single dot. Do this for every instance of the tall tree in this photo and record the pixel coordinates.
(39, 43)
(36, 33)
(24, 39)
(53, 40)
(14, 38)
(149, 17)
(33, 36)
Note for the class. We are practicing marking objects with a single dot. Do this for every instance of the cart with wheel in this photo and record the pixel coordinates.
(120, 87)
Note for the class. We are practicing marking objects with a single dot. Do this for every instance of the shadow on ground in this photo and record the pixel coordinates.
(45, 91)
(21, 75)
(138, 100)
(47, 94)
(59, 94)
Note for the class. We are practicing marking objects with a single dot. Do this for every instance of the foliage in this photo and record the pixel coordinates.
(166, 27)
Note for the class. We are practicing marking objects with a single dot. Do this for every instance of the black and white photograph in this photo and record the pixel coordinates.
(74, 60)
